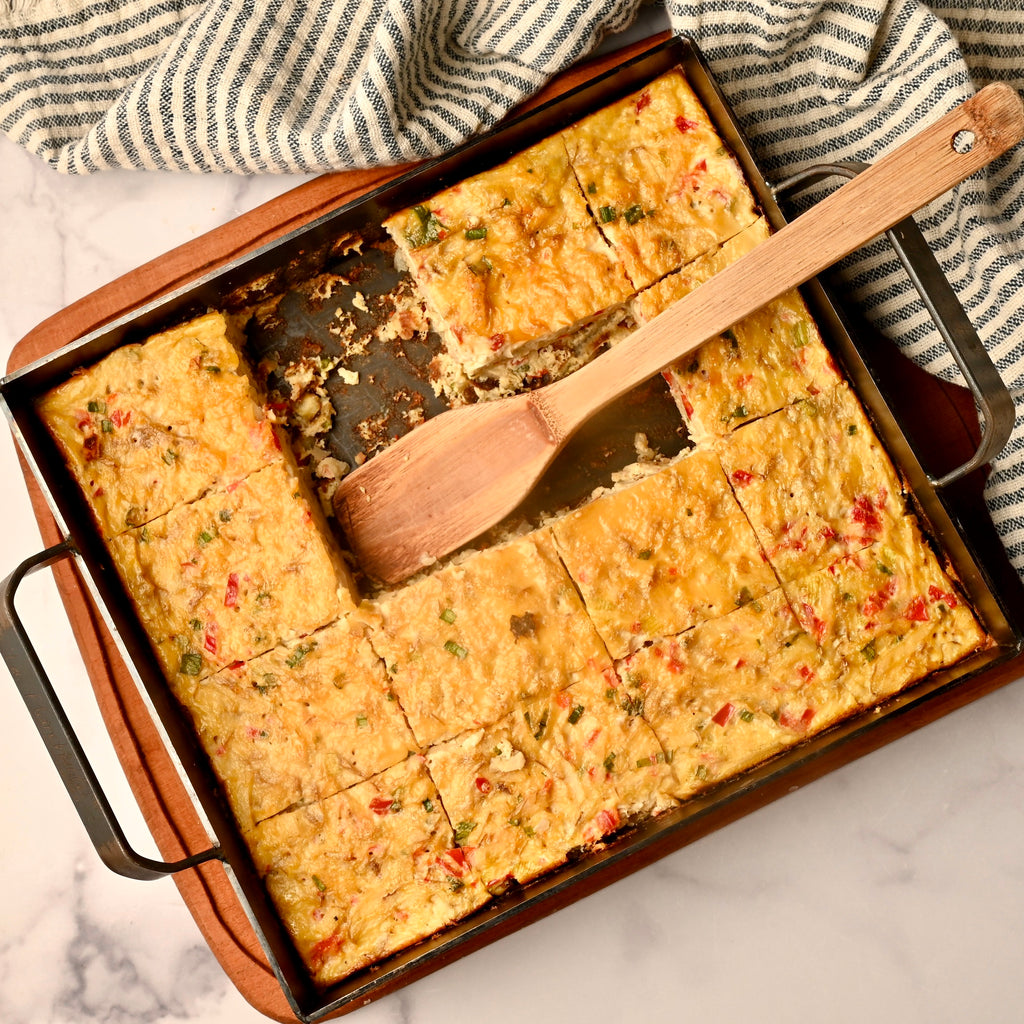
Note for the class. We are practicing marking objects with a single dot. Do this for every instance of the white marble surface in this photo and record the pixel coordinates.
(891, 890)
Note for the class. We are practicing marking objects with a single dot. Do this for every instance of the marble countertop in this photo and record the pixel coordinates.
(890, 890)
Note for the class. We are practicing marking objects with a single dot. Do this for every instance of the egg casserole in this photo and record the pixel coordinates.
(232, 575)
(510, 258)
(398, 758)
(814, 481)
(763, 363)
(552, 242)
(659, 179)
(367, 871)
(298, 723)
(660, 555)
(465, 644)
(155, 425)
(733, 690)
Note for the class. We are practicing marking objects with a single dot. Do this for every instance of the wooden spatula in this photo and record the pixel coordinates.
(461, 472)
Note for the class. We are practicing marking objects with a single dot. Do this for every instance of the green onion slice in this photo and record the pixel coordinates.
(191, 664)
(453, 647)
(463, 830)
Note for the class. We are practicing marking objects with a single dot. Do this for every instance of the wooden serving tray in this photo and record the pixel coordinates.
(163, 800)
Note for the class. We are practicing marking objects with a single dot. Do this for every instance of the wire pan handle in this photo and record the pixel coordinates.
(993, 397)
(64, 747)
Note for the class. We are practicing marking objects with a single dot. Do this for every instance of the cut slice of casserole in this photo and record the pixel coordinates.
(888, 611)
(509, 259)
(156, 425)
(661, 184)
(366, 872)
(735, 690)
(514, 816)
(557, 774)
(298, 723)
(465, 644)
(814, 481)
(655, 557)
(233, 574)
(764, 362)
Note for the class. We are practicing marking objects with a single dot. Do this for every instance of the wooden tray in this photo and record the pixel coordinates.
(163, 800)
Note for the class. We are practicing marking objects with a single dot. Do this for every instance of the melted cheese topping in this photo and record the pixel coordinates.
(232, 575)
(155, 425)
(509, 258)
(298, 723)
(735, 690)
(366, 872)
(766, 361)
(889, 612)
(814, 481)
(662, 185)
(654, 558)
(464, 644)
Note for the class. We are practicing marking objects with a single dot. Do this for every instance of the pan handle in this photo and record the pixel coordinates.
(993, 397)
(69, 758)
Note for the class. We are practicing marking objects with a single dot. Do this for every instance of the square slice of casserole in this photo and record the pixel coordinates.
(596, 728)
(467, 643)
(888, 611)
(298, 723)
(514, 816)
(233, 574)
(764, 362)
(735, 690)
(814, 481)
(366, 872)
(655, 557)
(557, 774)
(156, 425)
(509, 259)
(660, 182)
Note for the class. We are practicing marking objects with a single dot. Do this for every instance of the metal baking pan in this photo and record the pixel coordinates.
(293, 269)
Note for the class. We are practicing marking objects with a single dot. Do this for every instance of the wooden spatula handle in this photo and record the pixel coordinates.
(912, 175)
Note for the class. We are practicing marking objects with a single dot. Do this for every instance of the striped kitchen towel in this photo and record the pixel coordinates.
(213, 85)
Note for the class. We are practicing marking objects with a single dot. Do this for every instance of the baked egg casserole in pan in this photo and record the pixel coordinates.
(733, 570)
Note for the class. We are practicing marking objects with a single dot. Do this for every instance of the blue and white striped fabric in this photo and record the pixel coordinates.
(216, 85)
(213, 85)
